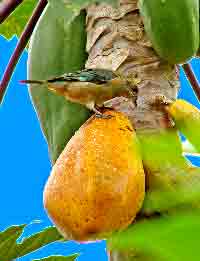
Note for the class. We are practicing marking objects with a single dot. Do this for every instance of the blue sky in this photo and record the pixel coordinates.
(25, 165)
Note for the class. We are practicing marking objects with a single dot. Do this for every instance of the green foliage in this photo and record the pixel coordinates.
(10, 249)
(59, 258)
(57, 47)
(173, 27)
(171, 181)
(18, 19)
(168, 226)
(169, 237)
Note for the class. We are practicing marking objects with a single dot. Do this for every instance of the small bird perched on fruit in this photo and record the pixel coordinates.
(89, 87)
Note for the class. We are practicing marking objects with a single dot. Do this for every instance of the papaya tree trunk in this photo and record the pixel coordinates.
(116, 40)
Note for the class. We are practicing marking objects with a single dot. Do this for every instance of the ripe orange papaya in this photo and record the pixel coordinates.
(97, 185)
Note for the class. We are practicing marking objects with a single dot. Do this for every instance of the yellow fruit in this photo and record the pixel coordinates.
(97, 184)
(187, 120)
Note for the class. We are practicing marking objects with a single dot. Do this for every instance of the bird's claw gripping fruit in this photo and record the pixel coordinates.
(97, 185)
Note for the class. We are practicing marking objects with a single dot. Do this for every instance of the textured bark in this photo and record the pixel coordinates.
(117, 41)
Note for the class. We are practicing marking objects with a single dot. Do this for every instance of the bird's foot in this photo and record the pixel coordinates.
(100, 115)
(103, 116)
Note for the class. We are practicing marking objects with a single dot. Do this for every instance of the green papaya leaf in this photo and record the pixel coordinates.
(171, 181)
(16, 22)
(59, 258)
(169, 237)
(10, 249)
(57, 48)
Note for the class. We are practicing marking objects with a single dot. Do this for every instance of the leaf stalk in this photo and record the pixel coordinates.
(192, 79)
(21, 46)
(7, 7)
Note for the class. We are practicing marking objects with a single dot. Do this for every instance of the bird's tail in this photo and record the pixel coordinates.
(32, 81)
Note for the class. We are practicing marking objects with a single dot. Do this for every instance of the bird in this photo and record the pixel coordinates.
(89, 87)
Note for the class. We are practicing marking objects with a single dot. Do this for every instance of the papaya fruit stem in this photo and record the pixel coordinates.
(21, 46)
(7, 7)
(192, 79)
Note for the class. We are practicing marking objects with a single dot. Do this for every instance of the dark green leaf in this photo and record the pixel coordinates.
(16, 22)
(168, 237)
(57, 47)
(38, 240)
(10, 249)
(59, 258)
(8, 240)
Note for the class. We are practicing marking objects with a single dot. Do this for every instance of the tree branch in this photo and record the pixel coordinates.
(193, 80)
(7, 7)
(21, 46)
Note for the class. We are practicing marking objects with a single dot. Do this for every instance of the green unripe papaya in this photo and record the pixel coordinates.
(173, 27)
